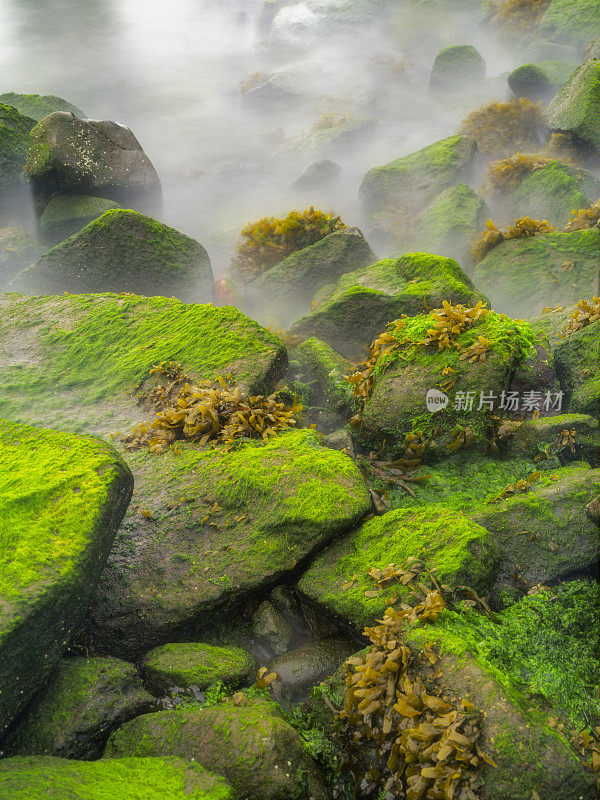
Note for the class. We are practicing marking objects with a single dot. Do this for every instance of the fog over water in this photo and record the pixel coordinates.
(172, 73)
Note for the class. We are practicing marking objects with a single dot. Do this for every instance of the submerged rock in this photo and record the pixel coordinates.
(38, 106)
(62, 499)
(66, 214)
(122, 251)
(86, 699)
(574, 109)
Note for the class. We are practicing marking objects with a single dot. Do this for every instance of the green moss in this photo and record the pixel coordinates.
(39, 106)
(574, 21)
(120, 779)
(322, 370)
(552, 193)
(196, 664)
(573, 110)
(577, 362)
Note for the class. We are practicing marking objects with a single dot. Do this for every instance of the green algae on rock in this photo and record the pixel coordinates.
(86, 699)
(251, 745)
(14, 142)
(577, 359)
(187, 664)
(66, 214)
(32, 777)
(456, 66)
(572, 21)
(38, 106)
(547, 435)
(17, 250)
(122, 251)
(574, 108)
(62, 498)
(460, 551)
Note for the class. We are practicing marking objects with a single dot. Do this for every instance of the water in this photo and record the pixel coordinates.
(172, 73)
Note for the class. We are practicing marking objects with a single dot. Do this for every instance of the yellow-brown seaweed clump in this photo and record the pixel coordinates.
(205, 410)
(524, 228)
(584, 218)
(498, 127)
(268, 241)
(585, 313)
(520, 14)
(507, 173)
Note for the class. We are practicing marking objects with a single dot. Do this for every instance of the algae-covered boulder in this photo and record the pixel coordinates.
(539, 81)
(571, 21)
(522, 276)
(394, 195)
(33, 777)
(17, 250)
(543, 534)
(577, 359)
(257, 752)
(66, 214)
(461, 552)
(573, 437)
(38, 106)
(123, 251)
(284, 292)
(179, 559)
(351, 314)
(86, 699)
(84, 156)
(574, 109)
(62, 498)
(14, 142)
(188, 664)
(457, 66)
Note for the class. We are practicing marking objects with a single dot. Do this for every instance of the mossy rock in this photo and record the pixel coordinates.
(86, 699)
(456, 66)
(14, 143)
(258, 753)
(349, 315)
(32, 777)
(533, 436)
(450, 224)
(123, 251)
(539, 81)
(523, 276)
(574, 109)
(577, 359)
(188, 664)
(66, 214)
(17, 250)
(62, 498)
(284, 292)
(460, 550)
(38, 106)
(99, 158)
(271, 629)
(318, 175)
(393, 196)
(572, 21)
(544, 535)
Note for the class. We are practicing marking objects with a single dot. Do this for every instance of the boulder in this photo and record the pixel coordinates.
(14, 142)
(571, 21)
(62, 499)
(17, 250)
(286, 88)
(573, 110)
(33, 777)
(593, 510)
(66, 214)
(393, 196)
(285, 291)
(86, 699)
(577, 359)
(196, 664)
(318, 175)
(461, 551)
(271, 629)
(257, 752)
(546, 434)
(456, 67)
(84, 156)
(123, 251)
(539, 81)
(522, 276)
(38, 106)
(351, 314)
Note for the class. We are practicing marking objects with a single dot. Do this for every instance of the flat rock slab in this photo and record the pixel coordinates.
(62, 498)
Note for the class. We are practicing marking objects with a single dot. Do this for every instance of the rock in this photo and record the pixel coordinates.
(286, 87)
(457, 66)
(393, 196)
(573, 110)
(578, 369)
(306, 666)
(259, 754)
(66, 214)
(151, 778)
(539, 50)
(83, 156)
(451, 223)
(175, 571)
(340, 440)
(196, 664)
(63, 497)
(535, 435)
(332, 136)
(571, 21)
(539, 81)
(351, 314)
(537, 373)
(522, 276)
(319, 174)
(271, 629)
(543, 535)
(123, 251)
(86, 699)
(285, 290)
(593, 510)
(460, 550)
(38, 106)
(14, 142)
(17, 250)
